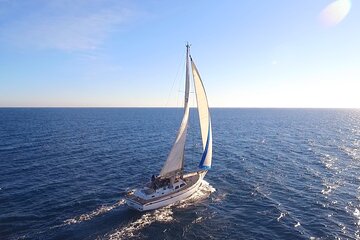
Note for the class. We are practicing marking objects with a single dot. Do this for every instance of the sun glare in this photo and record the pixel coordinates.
(335, 12)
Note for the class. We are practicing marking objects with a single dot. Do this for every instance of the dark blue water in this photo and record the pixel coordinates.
(278, 174)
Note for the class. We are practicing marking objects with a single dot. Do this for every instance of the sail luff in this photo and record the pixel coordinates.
(204, 118)
(175, 160)
(186, 97)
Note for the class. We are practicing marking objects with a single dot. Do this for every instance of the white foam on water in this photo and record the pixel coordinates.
(297, 224)
(357, 212)
(261, 190)
(353, 210)
(281, 216)
(164, 214)
(198, 220)
(357, 215)
(329, 187)
(220, 197)
(203, 192)
(329, 161)
(357, 234)
(327, 190)
(88, 216)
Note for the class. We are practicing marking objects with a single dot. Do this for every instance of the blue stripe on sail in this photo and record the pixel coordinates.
(201, 165)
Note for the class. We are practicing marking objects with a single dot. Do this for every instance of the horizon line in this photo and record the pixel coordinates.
(172, 107)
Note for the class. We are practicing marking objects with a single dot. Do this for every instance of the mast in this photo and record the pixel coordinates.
(187, 78)
(175, 160)
(186, 100)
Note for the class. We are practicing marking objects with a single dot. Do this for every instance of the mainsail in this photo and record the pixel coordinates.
(204, 118)
(175, 159)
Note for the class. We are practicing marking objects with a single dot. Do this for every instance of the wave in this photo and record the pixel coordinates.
(99, 211)
(353, 153)
(330, 186)
(329, 161)
(164, 214)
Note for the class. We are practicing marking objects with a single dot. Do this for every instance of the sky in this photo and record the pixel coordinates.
(113, 53)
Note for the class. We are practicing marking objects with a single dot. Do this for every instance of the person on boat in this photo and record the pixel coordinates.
(153, 183)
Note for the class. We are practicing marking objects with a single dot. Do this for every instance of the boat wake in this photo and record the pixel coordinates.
(99, 211)
(163, 215)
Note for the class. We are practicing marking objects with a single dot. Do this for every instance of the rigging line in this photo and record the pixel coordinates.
(180, 66)
(181, 83)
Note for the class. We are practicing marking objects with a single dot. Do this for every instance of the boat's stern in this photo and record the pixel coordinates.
(134, 204)
(133, 201)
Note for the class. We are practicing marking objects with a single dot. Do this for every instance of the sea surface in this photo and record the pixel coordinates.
(277, 174)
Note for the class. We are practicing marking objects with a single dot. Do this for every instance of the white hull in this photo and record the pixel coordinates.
(166, 200)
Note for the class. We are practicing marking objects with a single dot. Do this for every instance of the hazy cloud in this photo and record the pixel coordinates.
(62, 24)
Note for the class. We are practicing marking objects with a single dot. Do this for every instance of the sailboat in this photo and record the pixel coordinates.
(173, 184)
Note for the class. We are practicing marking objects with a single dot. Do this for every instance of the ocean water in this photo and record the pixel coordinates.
(277, 174)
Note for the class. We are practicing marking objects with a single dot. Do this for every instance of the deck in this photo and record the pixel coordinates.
(190, 180)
